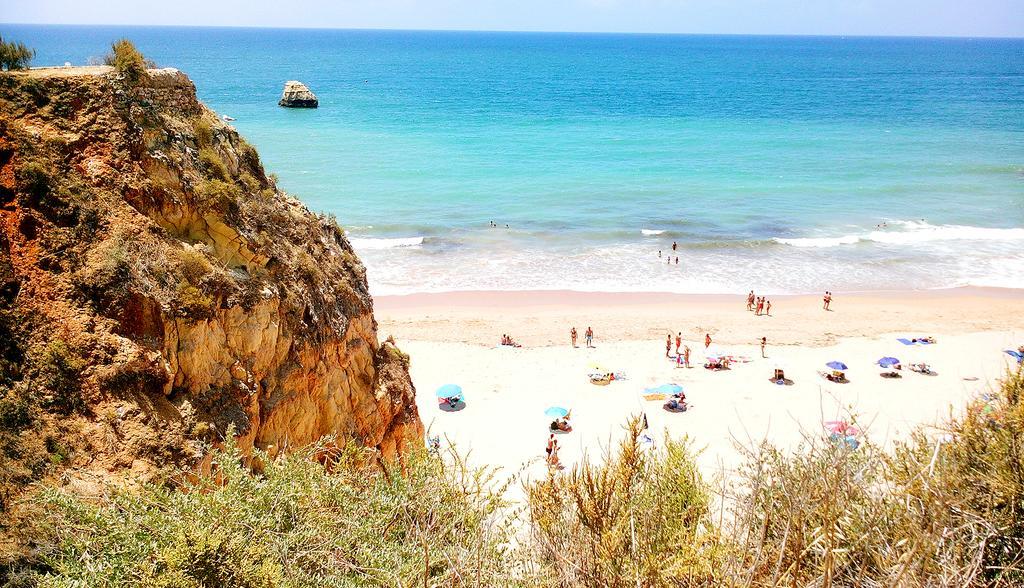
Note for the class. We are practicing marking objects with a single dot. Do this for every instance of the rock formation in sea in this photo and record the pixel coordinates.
(157, 289)
(297, 95)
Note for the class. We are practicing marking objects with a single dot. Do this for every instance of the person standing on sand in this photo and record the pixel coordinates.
(764, 341)
(572, 334)
(768, 307)
(590, 337)
(707, 341)
(674, 245)
(668, 345)
(759, 307)
(550, 447)
(679, 341)
(828, 300)
(750, 300)
(686, 355)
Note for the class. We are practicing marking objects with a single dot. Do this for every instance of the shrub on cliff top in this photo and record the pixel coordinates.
(295, 523)
(635, 518)
(15, 55)
(127, 60)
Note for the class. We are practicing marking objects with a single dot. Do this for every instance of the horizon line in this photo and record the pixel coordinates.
(521, 31)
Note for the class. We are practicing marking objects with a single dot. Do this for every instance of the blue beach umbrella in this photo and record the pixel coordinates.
(888, 362)
(837, 365)
(556, 412)
(665, 389)
(1016, 355)
(449, 391)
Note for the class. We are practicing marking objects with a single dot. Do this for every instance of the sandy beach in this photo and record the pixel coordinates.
(453, 338)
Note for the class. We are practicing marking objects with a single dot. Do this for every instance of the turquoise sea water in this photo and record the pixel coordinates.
(771, 161)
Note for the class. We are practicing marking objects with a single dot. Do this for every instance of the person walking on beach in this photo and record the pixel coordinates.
(764, 341)
(550, 447)
(686, 355)
(707, 341)
(768, 307)
(679, 341)
(572, 334)
(828, 300)
(668, 345)
(750, 300)
(590, 337)
(760, 306)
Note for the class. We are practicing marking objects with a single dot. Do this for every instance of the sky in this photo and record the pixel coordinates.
(969, 18)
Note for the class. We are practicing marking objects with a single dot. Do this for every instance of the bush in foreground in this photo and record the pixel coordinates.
(282, 522)
(942, 509)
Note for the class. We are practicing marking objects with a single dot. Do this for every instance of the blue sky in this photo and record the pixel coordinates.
(1000, 18)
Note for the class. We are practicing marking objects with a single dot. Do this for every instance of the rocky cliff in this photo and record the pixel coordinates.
(157, 289)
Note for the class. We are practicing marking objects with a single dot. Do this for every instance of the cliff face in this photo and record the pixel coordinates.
(157, 288)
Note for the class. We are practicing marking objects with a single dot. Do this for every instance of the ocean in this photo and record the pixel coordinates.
(781, 164)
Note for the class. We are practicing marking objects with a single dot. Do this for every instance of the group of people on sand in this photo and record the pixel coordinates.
(588, 336)
(759, 304)
(683, 356)
(552, 452)
(507, 340)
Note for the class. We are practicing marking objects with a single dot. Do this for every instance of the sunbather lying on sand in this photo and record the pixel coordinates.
(676, 404)
(835, 376)
(921, 368)
(561, 424)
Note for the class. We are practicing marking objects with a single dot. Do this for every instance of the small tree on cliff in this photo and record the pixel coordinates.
(15, 55)
(127, 60)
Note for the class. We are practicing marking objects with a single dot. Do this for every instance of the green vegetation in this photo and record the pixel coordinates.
(15, 55)
(635, 519)
(127, 60)
(936, 511)
(290, 524)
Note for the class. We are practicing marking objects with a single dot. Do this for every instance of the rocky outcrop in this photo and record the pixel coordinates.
(297, 95)
(160, 291)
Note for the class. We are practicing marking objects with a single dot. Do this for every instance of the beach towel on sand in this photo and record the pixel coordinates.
(655, 397)
(909, 342)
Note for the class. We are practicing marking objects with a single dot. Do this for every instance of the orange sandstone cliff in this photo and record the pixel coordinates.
(157, 288)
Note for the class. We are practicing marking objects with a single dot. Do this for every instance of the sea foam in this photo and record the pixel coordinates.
(910, 233)
(383, 243)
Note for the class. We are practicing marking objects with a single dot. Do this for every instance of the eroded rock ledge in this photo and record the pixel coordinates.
(158, 288)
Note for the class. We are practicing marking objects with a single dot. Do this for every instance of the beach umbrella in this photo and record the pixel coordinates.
(556, 412)
(1016, 355)
(665, 389)
(449, 391)
(837, 365)
(887, 362)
